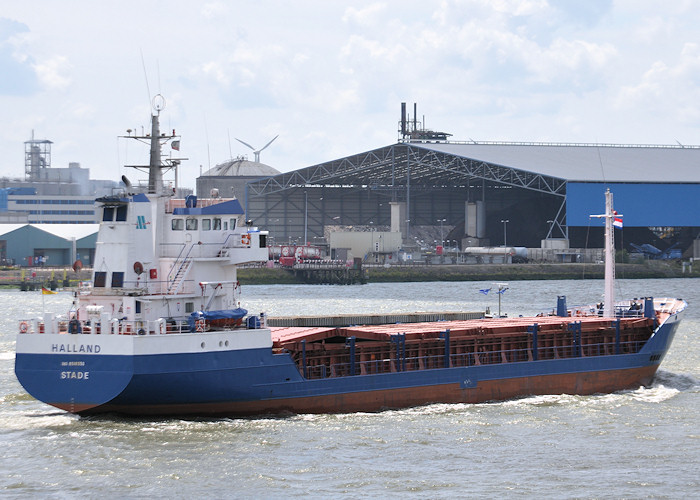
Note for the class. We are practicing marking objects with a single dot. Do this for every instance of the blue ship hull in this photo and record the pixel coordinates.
(258, 381)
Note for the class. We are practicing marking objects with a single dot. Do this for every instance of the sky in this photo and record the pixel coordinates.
(329, 77)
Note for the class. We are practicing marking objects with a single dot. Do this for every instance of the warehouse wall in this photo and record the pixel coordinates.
(643, 205)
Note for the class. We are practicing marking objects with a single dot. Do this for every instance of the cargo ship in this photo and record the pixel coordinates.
(160, 330)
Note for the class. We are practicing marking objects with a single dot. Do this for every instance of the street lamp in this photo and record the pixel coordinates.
(442, 242)
(505, 248)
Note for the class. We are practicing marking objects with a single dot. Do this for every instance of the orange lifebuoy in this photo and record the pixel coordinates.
(245, 239)
(23, 327)
(200, 325)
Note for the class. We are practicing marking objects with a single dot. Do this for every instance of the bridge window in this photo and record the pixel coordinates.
(225, 225)
(108, 214)
(100, 279)
(217, 224)
(233, 224)
(178, 224)
(206, 224)
(121, 213)
(117, 279)
(191, 224)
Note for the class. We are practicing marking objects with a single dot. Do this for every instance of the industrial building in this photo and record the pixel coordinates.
(55, 245)
(50, 195)
(480, 194)
(228, 179)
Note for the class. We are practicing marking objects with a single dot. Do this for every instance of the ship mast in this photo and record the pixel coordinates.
(155, 175)
(155, 140)
(609, 304)
(609, 257)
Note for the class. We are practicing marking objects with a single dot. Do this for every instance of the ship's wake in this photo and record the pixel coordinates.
(680, 381)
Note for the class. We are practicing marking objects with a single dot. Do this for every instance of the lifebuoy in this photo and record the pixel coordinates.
(200, 325)
(245, 239)
(23, 327)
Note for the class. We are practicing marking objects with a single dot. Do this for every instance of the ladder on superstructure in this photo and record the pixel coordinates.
(185, 264)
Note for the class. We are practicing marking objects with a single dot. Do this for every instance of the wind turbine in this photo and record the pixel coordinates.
(257, 153)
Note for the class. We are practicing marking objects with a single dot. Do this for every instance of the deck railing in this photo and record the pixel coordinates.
(111, 327)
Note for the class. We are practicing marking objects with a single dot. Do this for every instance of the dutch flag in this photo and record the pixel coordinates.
(617, 220)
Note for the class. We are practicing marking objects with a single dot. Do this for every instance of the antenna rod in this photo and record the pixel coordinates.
(145, 76)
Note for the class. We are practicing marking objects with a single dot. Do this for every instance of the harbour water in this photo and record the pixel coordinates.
(639, 443)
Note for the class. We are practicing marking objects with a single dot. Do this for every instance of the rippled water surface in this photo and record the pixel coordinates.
(641, 443)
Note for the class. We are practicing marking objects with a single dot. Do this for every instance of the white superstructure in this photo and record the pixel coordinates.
(159, 259)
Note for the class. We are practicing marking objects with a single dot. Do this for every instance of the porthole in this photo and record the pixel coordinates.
(202, 344)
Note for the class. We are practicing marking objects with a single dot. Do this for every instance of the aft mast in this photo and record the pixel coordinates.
(609, 252)
(609, 305)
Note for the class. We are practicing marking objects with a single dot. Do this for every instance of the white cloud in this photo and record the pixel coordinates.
(611, 71)
(53, 72)
(572, 61)
(217, 72)
(212, 10)
(665, 87)
(517, 7)
(365, 16)
(82, 110)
